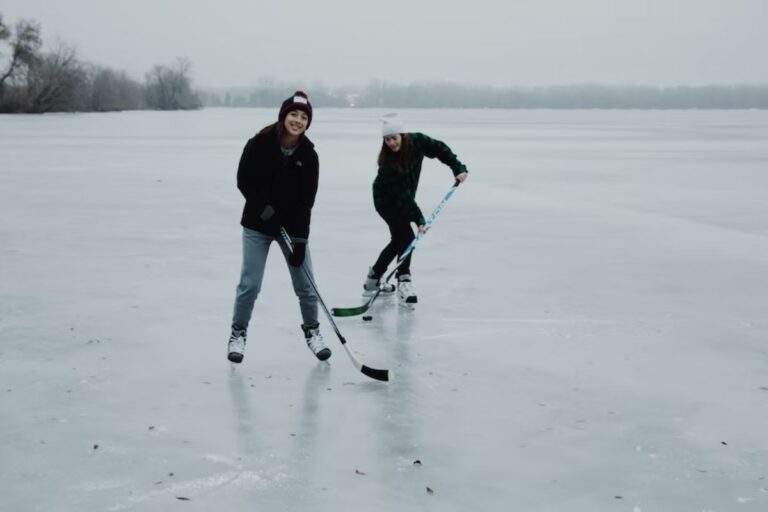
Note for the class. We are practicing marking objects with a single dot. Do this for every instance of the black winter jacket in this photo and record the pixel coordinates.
(287, 184)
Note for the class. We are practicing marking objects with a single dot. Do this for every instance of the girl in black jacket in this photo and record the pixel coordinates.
(278, 175)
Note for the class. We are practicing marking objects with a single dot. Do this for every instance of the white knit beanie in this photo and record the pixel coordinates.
(391, 124)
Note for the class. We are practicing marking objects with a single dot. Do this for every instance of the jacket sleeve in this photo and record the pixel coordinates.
(306, 199)
(433, 148)
(251, 180)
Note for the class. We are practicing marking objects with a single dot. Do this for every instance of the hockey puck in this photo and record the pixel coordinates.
(367, 318)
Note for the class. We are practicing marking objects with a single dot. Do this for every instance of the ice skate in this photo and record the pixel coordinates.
(236, 350)
(372, 284)
(315, 342)
(405, 293)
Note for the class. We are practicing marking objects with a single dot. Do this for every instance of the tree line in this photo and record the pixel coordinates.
(57, 80)
(36, 80)
(379, 94)
(567, 96)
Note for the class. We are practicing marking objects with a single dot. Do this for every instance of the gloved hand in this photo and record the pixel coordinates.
(267, 213)
(299, 252)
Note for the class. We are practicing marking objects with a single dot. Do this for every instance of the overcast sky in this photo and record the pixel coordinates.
(340, 42)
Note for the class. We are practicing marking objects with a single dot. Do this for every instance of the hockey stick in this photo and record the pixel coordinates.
(383, 375)
(359, 310)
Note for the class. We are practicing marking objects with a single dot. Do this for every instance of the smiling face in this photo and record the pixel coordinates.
(295, 122)
(393, 142)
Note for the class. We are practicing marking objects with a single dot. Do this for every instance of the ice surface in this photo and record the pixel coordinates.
(590, 336)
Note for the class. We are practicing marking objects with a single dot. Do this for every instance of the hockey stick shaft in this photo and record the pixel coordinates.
(420, 234)
(374, 373)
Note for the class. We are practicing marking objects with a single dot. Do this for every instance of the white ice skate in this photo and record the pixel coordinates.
(405, 293)
(236, 351)
(315, 342)
(372, 283)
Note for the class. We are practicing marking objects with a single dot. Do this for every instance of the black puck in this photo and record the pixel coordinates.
(367, 318)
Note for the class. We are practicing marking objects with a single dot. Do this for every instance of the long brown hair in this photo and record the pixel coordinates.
(273, 127)
(399, 159)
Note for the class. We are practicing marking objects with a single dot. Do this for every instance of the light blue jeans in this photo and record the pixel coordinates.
(255, 250)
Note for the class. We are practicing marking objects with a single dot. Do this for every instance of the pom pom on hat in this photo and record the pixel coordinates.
(391, 124)
(298, 101)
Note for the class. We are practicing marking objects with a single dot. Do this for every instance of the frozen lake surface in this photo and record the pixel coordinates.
(591, 332)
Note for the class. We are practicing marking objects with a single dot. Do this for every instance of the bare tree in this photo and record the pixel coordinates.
(169, 87)
(19, 50)
(112, 90)
(57, 82)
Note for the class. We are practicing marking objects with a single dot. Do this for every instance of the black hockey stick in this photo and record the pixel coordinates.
(359, 310)
(383, 375)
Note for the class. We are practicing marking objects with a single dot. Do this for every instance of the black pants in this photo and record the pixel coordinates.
(401, 235)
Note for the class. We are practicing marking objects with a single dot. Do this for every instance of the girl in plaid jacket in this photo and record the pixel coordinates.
(394, 197)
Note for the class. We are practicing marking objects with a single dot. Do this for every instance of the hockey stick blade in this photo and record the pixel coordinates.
(382, 375)
(374, 373)
(358, 310)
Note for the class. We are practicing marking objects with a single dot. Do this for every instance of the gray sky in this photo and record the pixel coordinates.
(337, 42)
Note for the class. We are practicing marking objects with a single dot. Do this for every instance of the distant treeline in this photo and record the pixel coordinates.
(34, 80)
(37, 81)
(271, 94)
(443, 95)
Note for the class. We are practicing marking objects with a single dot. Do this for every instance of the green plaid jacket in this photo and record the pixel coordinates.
(394, 188)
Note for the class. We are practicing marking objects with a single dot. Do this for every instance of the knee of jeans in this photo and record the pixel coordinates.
(305, 292)
(248, 284)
